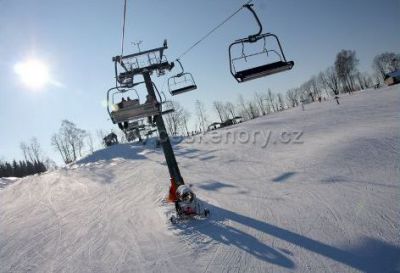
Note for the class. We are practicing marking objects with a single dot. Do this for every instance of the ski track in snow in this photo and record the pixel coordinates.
(329, 204)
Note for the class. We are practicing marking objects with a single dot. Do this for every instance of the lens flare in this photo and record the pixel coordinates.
(33, 73)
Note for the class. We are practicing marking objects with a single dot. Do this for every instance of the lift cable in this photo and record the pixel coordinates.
(123, 30)
(214, 29)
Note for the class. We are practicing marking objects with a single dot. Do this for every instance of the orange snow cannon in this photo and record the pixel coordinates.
(172, 192)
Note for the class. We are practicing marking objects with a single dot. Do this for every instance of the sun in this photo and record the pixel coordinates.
(33, 73)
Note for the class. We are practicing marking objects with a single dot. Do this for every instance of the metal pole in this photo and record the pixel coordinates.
(164, 138)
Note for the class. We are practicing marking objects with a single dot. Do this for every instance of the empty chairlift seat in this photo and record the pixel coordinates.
(183, 89)
(181, 82)
(263, 70)
(167, 107)
(239, 54)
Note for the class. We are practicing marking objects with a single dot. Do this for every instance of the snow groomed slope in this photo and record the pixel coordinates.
(305, 191)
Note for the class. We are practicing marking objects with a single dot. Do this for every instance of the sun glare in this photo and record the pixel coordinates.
(33, 73)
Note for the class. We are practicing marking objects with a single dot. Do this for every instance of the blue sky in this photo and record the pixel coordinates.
(77, 40)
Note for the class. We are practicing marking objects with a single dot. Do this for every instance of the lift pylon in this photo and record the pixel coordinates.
(143, 64)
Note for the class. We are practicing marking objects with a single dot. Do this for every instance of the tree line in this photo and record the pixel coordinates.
(34, 161)
(341, 77)
(21, 168)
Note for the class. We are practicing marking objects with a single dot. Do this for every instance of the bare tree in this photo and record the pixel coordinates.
(384, 63)
(174, 120)
(69, 141)
(185, 121)
(271, 99)
(81, 144)
(32, 152)
(221, 111)
(231, 109)
(61, 146)
(73, 136)
(243, 107)
(260, 100)
(90, 142)
(201, 115)
(253, 111)
(315, 86)
(281, 106)
(25, 151)
(307, 88)
(364, 80)
(330, 79)
(292, 97)
(35, 149)
(346, 68)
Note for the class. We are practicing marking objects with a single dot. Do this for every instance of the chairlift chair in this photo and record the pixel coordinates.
(263, 70)
(134, 125)
(167, 106)
(133, 134)
(181, 82)
(129, 110)
(133, 130)
(150, 132)
(125, 80)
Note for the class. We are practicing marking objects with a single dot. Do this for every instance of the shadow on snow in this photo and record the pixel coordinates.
(123, 151)
(369, 255)
(214, 185)
(283, 177)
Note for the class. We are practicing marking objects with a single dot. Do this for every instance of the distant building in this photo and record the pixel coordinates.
(214, 126)
(228, 122)
(392, 78)
(110, 139)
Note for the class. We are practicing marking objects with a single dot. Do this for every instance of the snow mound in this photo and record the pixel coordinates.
(4, 181)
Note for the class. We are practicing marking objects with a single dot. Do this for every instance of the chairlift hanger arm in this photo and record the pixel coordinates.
(182, 70)
(254, 37)
(118, 59)
(158, 93)
(165, 97)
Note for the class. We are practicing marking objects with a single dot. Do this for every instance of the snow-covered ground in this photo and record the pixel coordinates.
(4, 181)
(321, 197)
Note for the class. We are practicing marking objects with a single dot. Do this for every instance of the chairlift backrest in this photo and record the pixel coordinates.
(125, 80)
(130, 98)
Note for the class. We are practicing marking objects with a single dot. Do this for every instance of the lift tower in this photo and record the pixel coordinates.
(144, 64)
